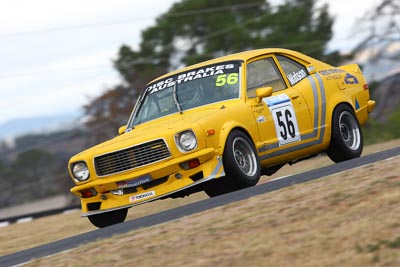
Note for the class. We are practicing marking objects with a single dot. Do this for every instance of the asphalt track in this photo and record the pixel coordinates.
(176, 213)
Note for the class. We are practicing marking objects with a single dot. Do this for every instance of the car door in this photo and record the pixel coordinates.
(282, 118)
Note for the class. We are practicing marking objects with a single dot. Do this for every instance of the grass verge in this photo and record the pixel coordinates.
(350, 219)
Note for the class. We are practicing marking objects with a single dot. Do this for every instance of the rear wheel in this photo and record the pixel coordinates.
(346, 138)
(241, 165)
(108, 218)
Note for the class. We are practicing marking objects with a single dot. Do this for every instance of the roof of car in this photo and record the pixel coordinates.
(245, 55)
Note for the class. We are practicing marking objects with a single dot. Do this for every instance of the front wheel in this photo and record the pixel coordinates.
(346, 138)
(241, 165)
(108, 218)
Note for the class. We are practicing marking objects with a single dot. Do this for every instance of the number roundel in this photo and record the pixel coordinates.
(290, 124)
(285, 121)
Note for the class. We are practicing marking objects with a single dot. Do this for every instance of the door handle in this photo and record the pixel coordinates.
(294, 96)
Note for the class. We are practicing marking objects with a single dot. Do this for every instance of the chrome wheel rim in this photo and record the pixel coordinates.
(349, 130)
(244, 156)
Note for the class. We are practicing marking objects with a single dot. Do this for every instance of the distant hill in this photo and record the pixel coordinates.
(379, 63)
(384, 121)
(387, 97)
(42, 124)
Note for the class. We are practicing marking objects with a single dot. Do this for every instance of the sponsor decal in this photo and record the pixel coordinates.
(310, 68)
(357, 104)
(257, 105)
(350, 79)
(142, 196)
(296, 77)
(258, 108)
(261, 119)
(275, 100)
(332, 73)
(212, 70)
(135, 182)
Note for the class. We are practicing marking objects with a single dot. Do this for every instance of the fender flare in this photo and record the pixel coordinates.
(226, 129)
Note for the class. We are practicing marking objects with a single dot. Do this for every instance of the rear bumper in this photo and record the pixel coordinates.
(370, 105)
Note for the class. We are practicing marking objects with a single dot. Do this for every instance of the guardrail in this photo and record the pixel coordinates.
(34, 215)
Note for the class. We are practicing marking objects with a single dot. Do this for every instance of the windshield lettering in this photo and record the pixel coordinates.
(190, 76)
(187, 90)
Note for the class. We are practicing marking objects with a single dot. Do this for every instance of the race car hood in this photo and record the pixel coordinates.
(165, 127)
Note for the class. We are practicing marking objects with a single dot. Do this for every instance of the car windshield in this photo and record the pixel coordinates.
(187, 90)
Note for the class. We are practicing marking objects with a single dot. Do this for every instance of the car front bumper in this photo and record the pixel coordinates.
(169, 178)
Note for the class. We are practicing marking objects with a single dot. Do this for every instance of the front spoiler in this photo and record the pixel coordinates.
(86, 214)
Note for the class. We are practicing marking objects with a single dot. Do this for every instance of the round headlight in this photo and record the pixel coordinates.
(186, 141)
(80, 171)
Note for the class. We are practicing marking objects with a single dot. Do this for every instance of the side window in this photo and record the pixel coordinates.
(263, 73)
(294, 71)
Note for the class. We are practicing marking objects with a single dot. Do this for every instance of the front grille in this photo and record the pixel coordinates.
(132, 157)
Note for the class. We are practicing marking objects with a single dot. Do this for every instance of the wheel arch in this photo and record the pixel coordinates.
(336, 99)
(329, 115)
(345, 103)
(227, 129)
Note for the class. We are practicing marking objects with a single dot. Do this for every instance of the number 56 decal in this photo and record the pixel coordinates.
(223, 79)
(285, 121)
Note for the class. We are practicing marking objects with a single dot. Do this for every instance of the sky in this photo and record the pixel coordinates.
(57, 55)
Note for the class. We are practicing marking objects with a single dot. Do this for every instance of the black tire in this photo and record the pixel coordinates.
(219, 186)
(346, 138)
(241, 165)
(108, 218)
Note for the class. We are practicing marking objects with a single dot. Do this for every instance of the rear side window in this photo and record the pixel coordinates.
(294, 71)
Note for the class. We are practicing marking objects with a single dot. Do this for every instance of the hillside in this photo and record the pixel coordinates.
(42, 124)
(385, 119)
(38, 161)
(387, 97)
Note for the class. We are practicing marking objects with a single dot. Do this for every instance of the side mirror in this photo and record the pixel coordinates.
(121, 130)
(263, 92)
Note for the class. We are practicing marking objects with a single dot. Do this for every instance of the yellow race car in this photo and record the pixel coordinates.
(219, 125)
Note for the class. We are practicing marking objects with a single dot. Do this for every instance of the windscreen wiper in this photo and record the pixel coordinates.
(176, 100)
